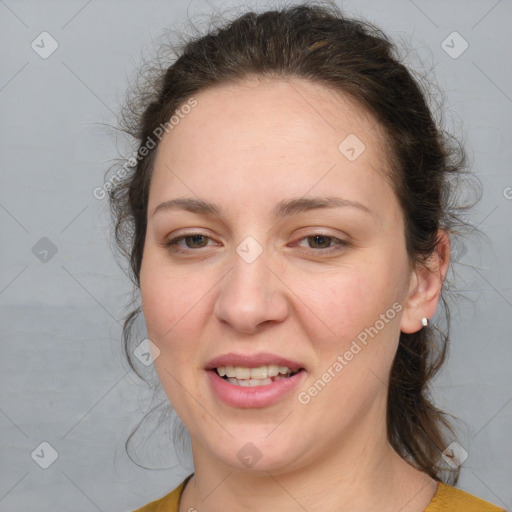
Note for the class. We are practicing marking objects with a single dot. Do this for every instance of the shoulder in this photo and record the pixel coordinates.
(168, 503)
(450, 499)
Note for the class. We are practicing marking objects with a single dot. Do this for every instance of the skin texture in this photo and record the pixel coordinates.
(246, 147)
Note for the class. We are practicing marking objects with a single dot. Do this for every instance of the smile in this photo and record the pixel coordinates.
(250, 377)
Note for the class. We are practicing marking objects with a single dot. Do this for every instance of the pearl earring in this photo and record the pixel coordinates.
(424, 322)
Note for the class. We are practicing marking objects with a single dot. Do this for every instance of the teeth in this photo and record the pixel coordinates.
(260, 373)
(249, 383)
(273, 370)
(242, 373)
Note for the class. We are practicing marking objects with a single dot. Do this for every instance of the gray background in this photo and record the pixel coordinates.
(63, 377)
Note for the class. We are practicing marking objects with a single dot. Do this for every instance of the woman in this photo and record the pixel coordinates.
(288, 221)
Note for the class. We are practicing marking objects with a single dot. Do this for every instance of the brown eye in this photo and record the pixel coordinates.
(195, 241)
(324, 244)
(319, 241)
(186, 242)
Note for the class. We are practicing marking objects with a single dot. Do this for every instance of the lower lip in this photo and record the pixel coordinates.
(256, 396)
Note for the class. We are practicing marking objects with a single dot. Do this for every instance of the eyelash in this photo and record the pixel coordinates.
(172, 244)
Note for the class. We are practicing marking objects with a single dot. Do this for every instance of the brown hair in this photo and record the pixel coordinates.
(315, 41)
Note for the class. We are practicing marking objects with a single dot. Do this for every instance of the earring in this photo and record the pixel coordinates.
(424, 322)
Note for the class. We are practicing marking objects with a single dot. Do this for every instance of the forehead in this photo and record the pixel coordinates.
(254, 111)
(272, 135)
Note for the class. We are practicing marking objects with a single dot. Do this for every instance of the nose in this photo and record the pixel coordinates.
(251, 295)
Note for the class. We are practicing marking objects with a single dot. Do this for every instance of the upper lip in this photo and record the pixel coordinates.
(251, 361)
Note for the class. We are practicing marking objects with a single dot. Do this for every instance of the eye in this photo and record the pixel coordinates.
(323, 242)
(192, 241)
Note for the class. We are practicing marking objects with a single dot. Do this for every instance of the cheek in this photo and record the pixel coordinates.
(167, 305)
(167, 299)
(362, 310)
(349, 300)
(176, 305)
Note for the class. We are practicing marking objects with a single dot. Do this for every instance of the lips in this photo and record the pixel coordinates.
(251, 393)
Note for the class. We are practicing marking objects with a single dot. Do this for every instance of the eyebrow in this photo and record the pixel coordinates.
(284, 208)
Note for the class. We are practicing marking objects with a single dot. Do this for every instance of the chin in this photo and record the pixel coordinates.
(259, 455)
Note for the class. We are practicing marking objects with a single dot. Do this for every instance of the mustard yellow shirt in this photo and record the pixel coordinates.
(446, 499)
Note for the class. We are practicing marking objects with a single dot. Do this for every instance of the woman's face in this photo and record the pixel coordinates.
(286, 249)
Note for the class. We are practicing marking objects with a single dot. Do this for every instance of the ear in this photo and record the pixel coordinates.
(426, 284)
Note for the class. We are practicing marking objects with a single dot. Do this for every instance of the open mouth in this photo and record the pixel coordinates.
(259, 376)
